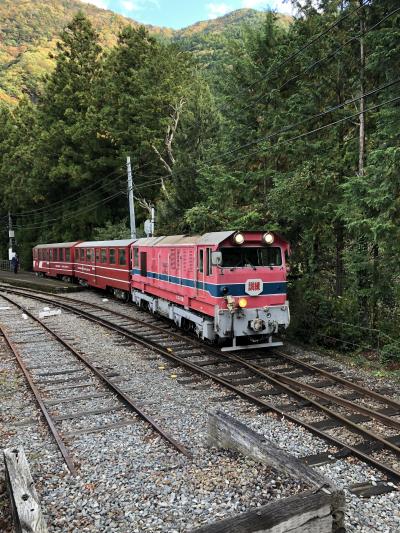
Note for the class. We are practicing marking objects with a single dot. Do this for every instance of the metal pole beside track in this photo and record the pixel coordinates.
(131, 199)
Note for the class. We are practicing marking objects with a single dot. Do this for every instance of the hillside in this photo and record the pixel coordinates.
(29, 30)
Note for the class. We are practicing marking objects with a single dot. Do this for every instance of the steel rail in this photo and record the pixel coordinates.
(168, 353)
(261, 371)
(54, 431)
(341, 380)
(112, 386)
(333, 377)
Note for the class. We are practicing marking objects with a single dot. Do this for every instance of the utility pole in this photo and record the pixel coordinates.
(11, 235)
(361, 148)
(131, 199)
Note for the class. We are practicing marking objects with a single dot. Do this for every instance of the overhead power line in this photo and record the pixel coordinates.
(299, 136)
(326, 57)
(69, 216)
(302, 48)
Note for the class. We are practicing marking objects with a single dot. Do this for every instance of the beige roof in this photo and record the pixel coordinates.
(98, 244)
(208, 238)
(57, 245)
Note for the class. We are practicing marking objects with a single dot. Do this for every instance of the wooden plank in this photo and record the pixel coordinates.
(77, 398)
(226, 432)
(306, 513)
(82, 414)
(99, 429)
(27, 513)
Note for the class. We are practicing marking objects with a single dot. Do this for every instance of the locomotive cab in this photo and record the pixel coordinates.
(250, 271)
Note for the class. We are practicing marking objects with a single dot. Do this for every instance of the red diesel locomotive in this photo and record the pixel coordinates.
(226, 286)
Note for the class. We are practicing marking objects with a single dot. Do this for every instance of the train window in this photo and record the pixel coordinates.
(67, 254)
(55, 254)
(103, 255)
(61, 254)
(81, 254)
(136, 257)
(122, 256)
(97, 255)
(143, 263)
(51, 254)
(39, 254)
(208, 262)
(112, 256)
(201, 261)
(251, 257)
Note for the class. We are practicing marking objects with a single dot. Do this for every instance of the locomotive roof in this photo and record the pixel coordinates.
(215, 237)
(56, 245)
(97, 244)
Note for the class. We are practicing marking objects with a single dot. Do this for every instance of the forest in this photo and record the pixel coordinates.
(289, 127)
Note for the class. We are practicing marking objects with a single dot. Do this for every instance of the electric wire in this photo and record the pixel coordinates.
(77, 193)
(288, 128)
(68, 216)
(326, 57)
(304, 47)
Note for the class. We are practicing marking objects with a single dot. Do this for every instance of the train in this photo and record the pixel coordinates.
(227, 287)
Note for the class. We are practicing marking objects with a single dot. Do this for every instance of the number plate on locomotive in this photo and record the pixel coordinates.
(254, 287)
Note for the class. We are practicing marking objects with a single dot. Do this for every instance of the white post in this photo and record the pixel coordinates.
(153, 220)
(131, 200)
(11, 236)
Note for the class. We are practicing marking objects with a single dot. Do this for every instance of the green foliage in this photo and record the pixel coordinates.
(224, 133)
(110, 231)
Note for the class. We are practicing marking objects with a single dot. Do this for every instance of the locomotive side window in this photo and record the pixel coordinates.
(97, 255)
(143, 263)
(201, 261)
(61, 254)
(208, 262)
(251, 257)
(67, 254)
(136, 257)
(112, 256)
(103, 255)
(122, 256)
(51, 254)
(81, 254)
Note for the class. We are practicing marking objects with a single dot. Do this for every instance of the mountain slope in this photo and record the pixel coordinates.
(29, 30)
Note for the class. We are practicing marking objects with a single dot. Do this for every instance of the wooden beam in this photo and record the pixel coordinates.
(27, 514)
(320, 509)
(307, 512)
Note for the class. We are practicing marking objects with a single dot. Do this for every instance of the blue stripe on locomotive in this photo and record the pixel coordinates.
(235, 289)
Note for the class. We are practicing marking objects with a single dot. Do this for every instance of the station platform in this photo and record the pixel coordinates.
(29, 280)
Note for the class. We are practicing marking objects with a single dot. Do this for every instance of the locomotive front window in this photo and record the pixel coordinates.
(251, 257)
(112, 256)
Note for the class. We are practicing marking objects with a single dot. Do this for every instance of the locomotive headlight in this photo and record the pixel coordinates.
(242, 302)
(238, 238)
(268, 238)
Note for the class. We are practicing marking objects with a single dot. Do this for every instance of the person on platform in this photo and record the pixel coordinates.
(15, 263)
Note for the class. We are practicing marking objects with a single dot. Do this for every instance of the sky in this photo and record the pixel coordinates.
(180, 13)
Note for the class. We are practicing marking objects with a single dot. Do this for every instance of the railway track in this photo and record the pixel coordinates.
(273, 381)
(66, 369)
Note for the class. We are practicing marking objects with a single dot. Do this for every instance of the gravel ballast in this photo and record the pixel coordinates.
(180, 404)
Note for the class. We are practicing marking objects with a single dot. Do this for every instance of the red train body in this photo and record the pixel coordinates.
(225, 286)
